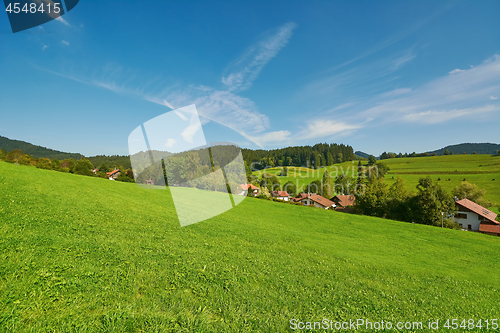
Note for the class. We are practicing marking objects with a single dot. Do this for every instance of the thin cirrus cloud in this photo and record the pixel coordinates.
(65, 42)
(361, 80)
(221, 106)
(63, 21)
(463, 93)
(247, 68)
(458, 94)
(326, 128)
(170, 143)
(457, 70)
(434, 117)
(399, 62)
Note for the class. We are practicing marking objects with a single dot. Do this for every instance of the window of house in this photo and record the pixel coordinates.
(469, 227)
(460, 224)
(461, 216)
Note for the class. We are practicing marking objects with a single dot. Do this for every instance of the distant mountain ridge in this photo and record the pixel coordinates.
(34, 150)
(361, 154)
(469, 148)
(124, 160)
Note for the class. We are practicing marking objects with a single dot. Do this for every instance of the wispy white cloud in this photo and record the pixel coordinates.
(320, 128)
(170, 143)
(396, 92)
(455, 95)
(167, 104)
(434, 117)
(245, 70)
(44, 47)
(221, 106)
(361, 80)
(400, 35)
(467, 94)
(457, 70)
(402, 60)
(65, 42)
(63, 21)
(269, 138)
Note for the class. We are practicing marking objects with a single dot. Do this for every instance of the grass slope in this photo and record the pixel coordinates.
(482, 170)
(81, 254)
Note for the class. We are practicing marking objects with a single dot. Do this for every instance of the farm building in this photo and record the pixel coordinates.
(245, 188)
(281, 195)
(344, 202)
(473, 217)
(113, 174)
(308, 199)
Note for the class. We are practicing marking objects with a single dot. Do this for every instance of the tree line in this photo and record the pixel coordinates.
(82, 166)
(321, 154)
(431, 205)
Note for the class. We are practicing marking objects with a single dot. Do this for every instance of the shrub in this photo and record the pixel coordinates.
(84, 167)
(44, 163)
(14, 156)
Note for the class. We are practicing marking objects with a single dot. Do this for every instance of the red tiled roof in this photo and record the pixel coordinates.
(479, 210)
(345, 200)
(246, 186)
(489, 228)
(280, 194)
(317, 198)
(112, 172)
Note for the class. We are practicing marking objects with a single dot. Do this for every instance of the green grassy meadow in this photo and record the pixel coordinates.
(476, 169)
(83, 254)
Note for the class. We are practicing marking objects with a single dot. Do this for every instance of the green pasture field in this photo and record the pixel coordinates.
(83, 254)
(482, 170)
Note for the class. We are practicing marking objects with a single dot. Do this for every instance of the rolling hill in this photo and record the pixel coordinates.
(361, 154)
(469, 148)
(36, 151)
(450, 171)
(84, 254)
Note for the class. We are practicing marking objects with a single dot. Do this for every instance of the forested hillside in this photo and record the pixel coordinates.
(320, 154)
(469, 148)
(35, 151)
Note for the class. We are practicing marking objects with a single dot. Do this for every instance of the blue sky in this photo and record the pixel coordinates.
(379, 76)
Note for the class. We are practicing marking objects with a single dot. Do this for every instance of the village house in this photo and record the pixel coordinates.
(245, 188)
(308, 199)
(344, 202)
(113, 174)
(150, 182)
(281, 195)
(473, 217)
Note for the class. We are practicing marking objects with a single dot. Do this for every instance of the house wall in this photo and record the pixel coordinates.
(319, 206)
(472, 219)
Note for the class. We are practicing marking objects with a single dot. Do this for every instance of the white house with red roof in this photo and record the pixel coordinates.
(314, 199)
(281, 195)
(113, 174)
(471, 216)
(246, 187)
(344, 202)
